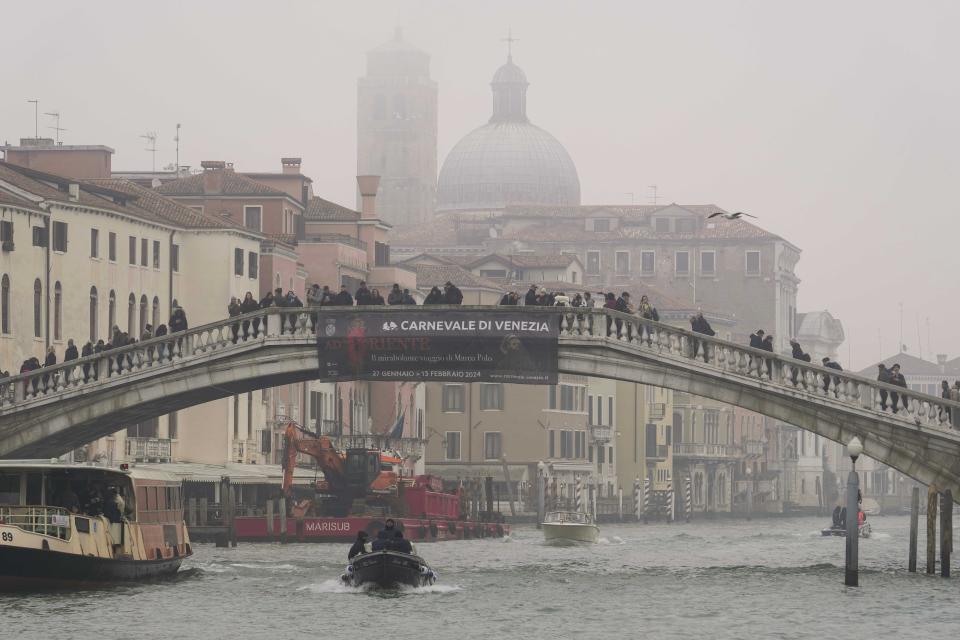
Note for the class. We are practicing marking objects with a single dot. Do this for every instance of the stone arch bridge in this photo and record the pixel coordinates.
(49, 411)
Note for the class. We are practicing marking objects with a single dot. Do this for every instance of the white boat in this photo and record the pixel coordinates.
(570, 526)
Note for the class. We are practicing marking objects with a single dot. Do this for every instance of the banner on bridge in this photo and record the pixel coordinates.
(449, 346)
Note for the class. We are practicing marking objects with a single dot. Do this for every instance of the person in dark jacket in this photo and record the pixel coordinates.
(376, 298)
(508, 299)
(530, 299)
(163, 349)
(249, 305)
(699, 324)
(233, 310)
(86, 351)
(897, 380)
(401, 544)
(883, 375)
(381, 542)
(756, 339)
(71, 353)
(362, 296)
(451, 294)
(343, 298)
(267, 301)
(831, 364)
(434, 297)
(797, 352)
(359, 546)
(395, 296)
(767, 345)
(49, 361)
(408, 299)
(945, 394)
(326, 296)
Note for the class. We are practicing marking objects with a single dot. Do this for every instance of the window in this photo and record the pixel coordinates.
(590, 409)
(94, 243)
(711, 426)
(112, 247)
(580, 444)
(647, 262)
(593, 262)
(132, 259)
(6, 231)
(252, 265)
(175, 258)
(491, 445)
(681, 262)
(753, 263)
(552, 438)
(39, 236)
(610, 411)
(453, 398)
(251, 217)
(601, 225)
(5, 304)
(131, 315)
(708, 263)
(156, 254)
(571, 398)
(57, 312)
(491, 397)
(238, 262)
(566, 444)
(622, 262)
(662, 225)
(143, 316)
(94, 299)
(60, 237)
(37, 307)
(144, 245)
(111, 310)
(453, 445)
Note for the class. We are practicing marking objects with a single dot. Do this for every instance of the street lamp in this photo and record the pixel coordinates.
(852, 577)
(541, 485)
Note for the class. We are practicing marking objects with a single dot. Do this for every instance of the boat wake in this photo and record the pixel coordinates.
(610, 540)
(336, 586)
(332, 586)
(264, 566)
(432, 588)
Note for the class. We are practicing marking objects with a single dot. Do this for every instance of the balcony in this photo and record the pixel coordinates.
(703, 450)
(404, 446)
(658, 452)
(601, 433)
(149, 449)
(658, 410)
(753, 448)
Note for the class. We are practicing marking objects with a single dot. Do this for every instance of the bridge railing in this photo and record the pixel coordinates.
(601, 325)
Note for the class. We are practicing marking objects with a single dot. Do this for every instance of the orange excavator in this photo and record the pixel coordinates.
(366, 475)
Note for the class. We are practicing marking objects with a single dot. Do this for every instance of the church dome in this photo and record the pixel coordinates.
(508, 161)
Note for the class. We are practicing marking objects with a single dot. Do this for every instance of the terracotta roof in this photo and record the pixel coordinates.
(234, 184)
(434, 275)
(150, 200)
(10, 199)
(285, 238)
(320, 209)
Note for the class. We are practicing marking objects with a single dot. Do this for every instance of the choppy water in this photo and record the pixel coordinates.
(719, 579)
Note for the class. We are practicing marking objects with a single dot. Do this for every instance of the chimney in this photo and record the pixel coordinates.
(368, 194)
(213, 175)
(291, 166)
(74, 190)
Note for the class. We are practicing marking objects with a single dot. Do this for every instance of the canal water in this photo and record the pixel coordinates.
(771, 578)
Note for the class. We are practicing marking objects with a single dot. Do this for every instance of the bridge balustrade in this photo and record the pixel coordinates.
(634, 335)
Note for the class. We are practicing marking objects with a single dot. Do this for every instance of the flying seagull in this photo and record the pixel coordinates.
(730, 216)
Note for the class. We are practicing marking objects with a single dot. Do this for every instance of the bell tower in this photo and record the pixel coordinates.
(397, 131)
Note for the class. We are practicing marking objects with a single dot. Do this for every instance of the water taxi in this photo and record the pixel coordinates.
(68, 524)
(570, 526)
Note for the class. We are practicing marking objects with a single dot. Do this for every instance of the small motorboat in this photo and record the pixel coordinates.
(389, 569)
(842, 531)
(569, 526)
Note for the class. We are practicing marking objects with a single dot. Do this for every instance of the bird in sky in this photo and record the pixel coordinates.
(730, 216)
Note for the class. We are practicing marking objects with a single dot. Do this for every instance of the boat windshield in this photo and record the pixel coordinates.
(572, 517)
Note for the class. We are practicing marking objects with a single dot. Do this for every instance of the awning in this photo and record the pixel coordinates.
(238, 473)
(571, 467)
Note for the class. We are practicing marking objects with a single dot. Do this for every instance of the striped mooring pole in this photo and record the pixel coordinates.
(636, 498)
(671, 502)
(646, 498)
(578, 493)
(687, 497)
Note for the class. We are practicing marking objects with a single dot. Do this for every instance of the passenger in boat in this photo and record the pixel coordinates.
(68, 499)
(381, 542)
(843, 516)
(114, 506)
(359, 546)
(861, 518)
(836, 516)
(401, 544)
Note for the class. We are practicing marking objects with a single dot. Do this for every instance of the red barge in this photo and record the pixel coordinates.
(359, 491)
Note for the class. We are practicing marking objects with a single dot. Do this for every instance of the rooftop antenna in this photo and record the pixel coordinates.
(176, 139)
(36, 118)
(509, 40)
(900, 350)
(57, 128)
(929, 350)
(653, 194)
(919, 339)
(151, 137)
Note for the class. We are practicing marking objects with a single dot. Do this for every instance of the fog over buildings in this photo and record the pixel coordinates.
(834, 124)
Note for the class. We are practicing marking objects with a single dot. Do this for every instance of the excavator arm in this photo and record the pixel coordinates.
(328, 458)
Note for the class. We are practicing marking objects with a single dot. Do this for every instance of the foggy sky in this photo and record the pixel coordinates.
(835, 123)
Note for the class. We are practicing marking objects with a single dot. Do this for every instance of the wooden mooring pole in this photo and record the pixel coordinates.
(914, 526)
(946, 532)
(931, 529)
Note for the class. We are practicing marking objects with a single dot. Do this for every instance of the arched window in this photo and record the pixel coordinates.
(57, 312)
(94, 334)
(143, 316)
(37, 308)
(156, 313)
(132, 315)
(5, 305)
(112, 311)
